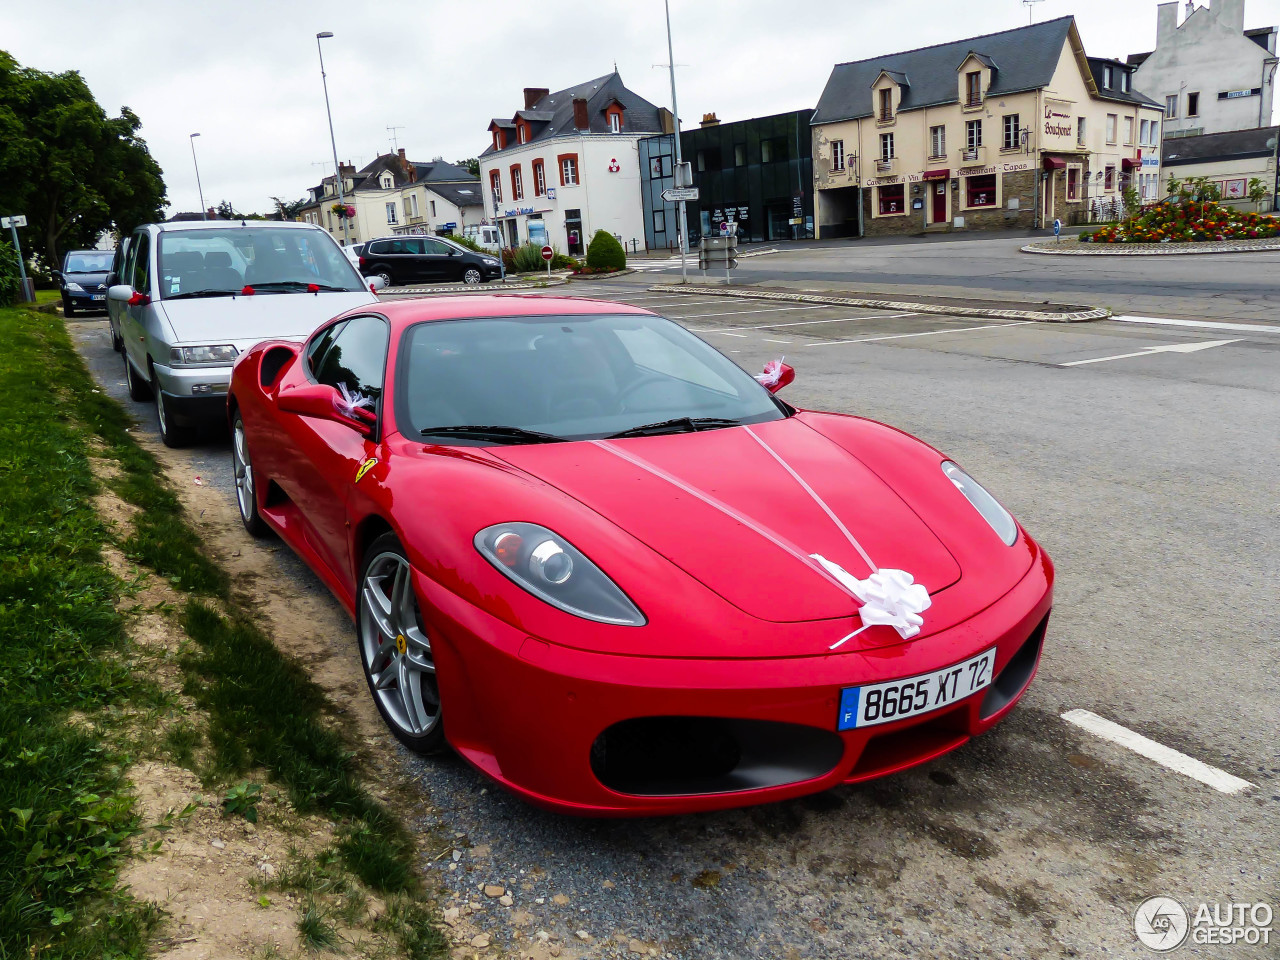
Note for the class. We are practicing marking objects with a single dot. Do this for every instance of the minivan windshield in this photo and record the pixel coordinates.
(539, 379)
(89, 262)
(216, 262)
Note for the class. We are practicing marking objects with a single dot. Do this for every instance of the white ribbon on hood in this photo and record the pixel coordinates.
(889, 598)
(772, 375)
(350, 402)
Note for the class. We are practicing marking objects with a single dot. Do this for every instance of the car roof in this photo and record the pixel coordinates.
(185, 225)
(403, 313)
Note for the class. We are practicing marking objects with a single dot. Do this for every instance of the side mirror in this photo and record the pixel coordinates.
(776, 375)
(376, 284)
(323, 402)
(126, 294)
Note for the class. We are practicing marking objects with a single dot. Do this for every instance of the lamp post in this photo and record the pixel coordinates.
(337, 170)
(204, 211)
(675, 110)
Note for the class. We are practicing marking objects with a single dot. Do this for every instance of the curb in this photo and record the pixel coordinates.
(1078, 249)
(1077, 316)
(575, 277)
(471, 288)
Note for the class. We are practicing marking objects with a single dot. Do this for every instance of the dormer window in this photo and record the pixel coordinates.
(886, 104)
(973, 88)
(1107, 77)
(386, 182)
(497, 141)
(615, 123)
(522, 132)
(1124, 81)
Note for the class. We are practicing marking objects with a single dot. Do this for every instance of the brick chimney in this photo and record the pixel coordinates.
(532, 95)
(709, 120)
(581, 120)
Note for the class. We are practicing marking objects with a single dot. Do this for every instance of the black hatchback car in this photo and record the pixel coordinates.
(400, 260)
(83, 280)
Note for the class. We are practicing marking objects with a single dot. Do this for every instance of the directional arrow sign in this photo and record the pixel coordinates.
(1149, 351)
(672, 194)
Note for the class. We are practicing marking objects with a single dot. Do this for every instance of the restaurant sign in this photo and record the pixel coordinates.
(1010, 166)
(1058, 119)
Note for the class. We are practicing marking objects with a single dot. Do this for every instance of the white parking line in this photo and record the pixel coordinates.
(767, 340)
(1220, 780)
(799, 323)
(1205, 324)
(927, 333)
(738, 313)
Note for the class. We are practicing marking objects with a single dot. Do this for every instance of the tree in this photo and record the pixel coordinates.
(70, 168)
(1257, 192)
(289, 209)
(472, 165)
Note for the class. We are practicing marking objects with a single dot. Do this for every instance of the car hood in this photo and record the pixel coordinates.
(86, 280)
(245, 321)
(720, 507)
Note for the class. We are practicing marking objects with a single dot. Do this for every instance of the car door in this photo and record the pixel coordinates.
(114, 307)
(438, 260)
(415, 261)
(329, 454)
(133, 317)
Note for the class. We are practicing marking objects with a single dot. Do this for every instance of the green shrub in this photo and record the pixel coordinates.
(528, 258)
(467, 242)
(563, 262)
(606, 252)
(10, 279)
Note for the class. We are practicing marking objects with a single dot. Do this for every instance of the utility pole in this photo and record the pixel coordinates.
(337, 169)
(675, 110)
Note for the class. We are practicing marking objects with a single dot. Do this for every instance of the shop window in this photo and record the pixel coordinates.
(973, 89)
(1193, 104)
(1171, 106)
(739, 154)
(1112, 120)
(981, 191)
(891, 199)
(938, 141)
(1109, 178)
(1073, 184)
(886, 146)
(539, 179)
(973, 134)
(837, 155)
(1012, 132)
(495, 185)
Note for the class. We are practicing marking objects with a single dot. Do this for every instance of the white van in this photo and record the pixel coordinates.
(486, 235)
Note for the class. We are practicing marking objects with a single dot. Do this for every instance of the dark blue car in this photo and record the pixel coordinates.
(83, 280)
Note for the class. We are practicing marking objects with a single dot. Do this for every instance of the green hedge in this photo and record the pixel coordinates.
(606, 252)
(10, 278)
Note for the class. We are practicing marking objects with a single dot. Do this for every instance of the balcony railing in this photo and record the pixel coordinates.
(884, 164)
(972, 153)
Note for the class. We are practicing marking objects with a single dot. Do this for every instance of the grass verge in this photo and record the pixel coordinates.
(65, 807)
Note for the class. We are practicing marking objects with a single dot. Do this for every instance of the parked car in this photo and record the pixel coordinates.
(400, 260)
(616, 573)
(352, 251)
(188, 298)
(83, 280)
(485, 235)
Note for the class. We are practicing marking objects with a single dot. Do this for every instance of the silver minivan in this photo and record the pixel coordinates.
(190, 297)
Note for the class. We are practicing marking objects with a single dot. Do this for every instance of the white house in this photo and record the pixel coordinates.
(568, 164)
(1209, 72)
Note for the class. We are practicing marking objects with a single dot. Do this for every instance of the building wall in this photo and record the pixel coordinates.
(1209, 54)
(446, 212)
(1227, 173)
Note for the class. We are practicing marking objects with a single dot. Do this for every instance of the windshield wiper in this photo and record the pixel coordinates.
(675, 425)
(296, 285)
(192, 294)
(493, 432)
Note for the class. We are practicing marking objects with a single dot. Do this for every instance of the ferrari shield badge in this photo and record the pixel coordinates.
(365, 468)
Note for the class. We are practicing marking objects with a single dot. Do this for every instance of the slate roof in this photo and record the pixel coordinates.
(459, 194)
(1026, 58)
(1211, 147)
(441, 170)
(1113, 92)
(640, 116)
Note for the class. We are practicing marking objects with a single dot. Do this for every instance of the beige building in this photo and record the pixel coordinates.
(1008, 130)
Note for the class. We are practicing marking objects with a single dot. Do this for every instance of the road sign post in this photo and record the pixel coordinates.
(13, 223)
(548, 255)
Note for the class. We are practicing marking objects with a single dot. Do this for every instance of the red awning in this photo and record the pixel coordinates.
(1054, 163)
(937, 174)
(1130, 163)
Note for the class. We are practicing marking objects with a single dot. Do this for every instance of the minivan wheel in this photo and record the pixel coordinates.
(472, 275)
(170, 433)
(139, 389)
(116, 343)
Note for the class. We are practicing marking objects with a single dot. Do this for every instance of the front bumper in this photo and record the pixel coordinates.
(529, 713)
(85, 301)
(197, 383)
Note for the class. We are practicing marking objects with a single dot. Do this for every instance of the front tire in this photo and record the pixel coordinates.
(395, 649)
(116, 343)
(68, 308)
(170, 433)
(139, 389)
(472, 275)
(245, 496)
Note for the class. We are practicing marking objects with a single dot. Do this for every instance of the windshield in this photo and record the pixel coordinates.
(269, 259)
(574, 378)
(89, 262)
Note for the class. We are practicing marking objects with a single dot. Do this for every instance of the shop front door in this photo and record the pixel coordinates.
(939, 191)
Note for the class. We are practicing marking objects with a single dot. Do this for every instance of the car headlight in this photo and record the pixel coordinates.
(490, 262)
(552, 569)
(74, 287)
(185, 356)
(1001, 522)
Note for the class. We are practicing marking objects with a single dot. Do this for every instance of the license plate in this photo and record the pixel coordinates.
(99, 296)
(912, 696)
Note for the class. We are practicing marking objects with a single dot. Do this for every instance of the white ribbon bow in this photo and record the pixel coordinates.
(890, 598)
(351, 402)
(772, 375)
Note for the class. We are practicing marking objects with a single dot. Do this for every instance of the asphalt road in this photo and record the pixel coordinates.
(1152, 481)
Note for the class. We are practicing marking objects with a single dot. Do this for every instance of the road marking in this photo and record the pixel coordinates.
(1150, 351)
(807, 323)
(1205, 324)
(739, 313)
(1220, 780)
(726, 333)
(767, 340)
(927, 333)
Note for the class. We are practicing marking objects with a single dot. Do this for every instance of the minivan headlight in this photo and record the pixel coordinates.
(190, 356)
(73, 287)
(555, 571)
(1001, 522)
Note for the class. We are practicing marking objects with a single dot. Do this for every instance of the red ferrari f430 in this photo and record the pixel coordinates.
(618, 574)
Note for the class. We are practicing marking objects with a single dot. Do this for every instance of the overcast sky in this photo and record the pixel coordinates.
(246, 76)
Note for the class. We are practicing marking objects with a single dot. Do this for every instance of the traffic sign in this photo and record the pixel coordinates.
(13, 221)
(673, 194)
(547, 254)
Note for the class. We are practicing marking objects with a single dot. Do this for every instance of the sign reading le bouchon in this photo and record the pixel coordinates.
(1058, 121)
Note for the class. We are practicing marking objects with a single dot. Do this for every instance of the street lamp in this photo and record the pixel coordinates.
(337, 170)
(675, 110)
(204, 211)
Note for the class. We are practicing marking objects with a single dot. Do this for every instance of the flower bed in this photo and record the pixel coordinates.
(1186, 221)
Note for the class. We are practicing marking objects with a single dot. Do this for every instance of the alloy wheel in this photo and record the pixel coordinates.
(244, 475)
(471, 275)
(396, 649)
